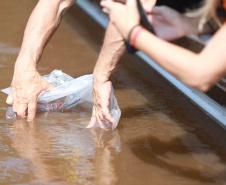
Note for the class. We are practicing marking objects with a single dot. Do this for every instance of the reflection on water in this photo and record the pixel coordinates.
(161, 138)
(51, 150)
(36, 148)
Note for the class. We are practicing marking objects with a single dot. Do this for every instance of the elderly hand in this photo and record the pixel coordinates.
(27, 86)
(101, 101)
(123, 16)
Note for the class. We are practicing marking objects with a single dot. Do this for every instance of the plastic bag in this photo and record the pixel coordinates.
(68, 93)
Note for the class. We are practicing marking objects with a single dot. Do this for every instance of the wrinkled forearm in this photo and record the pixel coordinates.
(112, 50)
(41, 25)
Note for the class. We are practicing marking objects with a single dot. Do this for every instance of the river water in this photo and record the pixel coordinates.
(162, 138)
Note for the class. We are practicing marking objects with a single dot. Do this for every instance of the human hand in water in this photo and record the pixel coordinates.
(101, 101)
(27, 86)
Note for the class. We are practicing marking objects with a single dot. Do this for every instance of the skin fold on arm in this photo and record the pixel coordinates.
(27, 84)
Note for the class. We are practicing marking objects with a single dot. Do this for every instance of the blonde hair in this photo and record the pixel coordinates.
(206, 12)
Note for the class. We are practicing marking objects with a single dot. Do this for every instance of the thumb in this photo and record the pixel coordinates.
(46, 85)
(92, 122)
(50, 87)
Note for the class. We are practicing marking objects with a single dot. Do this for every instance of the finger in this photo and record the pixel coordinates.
(99, 114)
(147, 8)
(92, 122)
(155, 19)
(101, 124)
(9, 100)
(105, 10)
(21, 110)
(108, 4)
(99, 118)
(107, 115)
(31, 110)
(15, 106)
(156, 10)
(104, 4)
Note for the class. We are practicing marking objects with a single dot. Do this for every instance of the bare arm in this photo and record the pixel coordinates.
(197, 70)
(27, 84)
(112, 50)
(41, 25)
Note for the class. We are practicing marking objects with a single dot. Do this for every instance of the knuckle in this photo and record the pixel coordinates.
(20, 114)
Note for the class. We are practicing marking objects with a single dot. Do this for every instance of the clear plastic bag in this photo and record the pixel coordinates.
(68, 93)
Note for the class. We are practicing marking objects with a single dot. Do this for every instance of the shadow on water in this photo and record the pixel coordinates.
(153, 151)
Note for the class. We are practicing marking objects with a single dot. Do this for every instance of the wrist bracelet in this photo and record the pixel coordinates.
(130, 32)
(134, 38)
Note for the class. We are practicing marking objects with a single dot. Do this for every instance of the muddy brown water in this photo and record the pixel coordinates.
(162, 138)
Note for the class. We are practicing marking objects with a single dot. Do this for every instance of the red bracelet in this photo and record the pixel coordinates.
(135, 35)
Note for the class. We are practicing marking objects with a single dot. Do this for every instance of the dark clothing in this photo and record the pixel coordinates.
(221, 11)
(180, 5)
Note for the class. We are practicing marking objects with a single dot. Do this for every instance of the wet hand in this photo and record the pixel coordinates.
(26, 88)
(101, 101)
(123, 16)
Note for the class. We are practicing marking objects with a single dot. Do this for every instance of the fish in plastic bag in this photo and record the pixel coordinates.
(68, 93)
